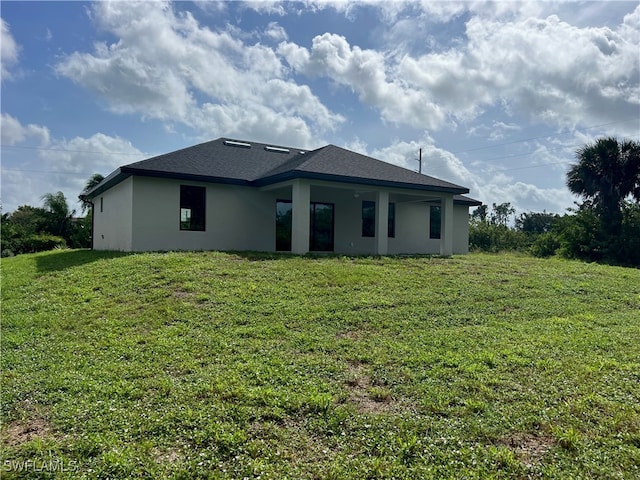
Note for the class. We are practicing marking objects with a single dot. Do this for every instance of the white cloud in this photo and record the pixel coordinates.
(542, 68)
(546, 68)
(8, 50)
(65, 165)
(13, 132)
(99, 153)
(525, 197)
(276, 32)
(365, 72)
(166, 66)
(266, 7)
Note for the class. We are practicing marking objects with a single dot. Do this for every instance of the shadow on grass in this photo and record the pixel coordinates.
(256, 256)
(72, 258)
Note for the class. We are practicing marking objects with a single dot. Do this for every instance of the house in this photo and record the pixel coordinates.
(237, 195)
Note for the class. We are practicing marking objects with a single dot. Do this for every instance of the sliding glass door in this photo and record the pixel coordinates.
(320, 226)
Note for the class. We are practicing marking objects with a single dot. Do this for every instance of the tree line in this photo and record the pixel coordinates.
(31, 229)
(604, 227)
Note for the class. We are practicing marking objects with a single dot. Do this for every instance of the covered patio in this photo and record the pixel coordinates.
(324, 216)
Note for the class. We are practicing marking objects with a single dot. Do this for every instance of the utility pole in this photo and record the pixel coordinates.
(420, 161)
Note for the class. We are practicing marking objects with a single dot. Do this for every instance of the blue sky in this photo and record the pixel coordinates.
(498, 95)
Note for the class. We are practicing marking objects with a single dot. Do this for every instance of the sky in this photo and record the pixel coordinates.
(498, 95)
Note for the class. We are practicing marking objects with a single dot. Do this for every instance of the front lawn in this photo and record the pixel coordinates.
(215, 365)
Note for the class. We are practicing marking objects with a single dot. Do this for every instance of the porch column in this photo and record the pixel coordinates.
(382, 223)
(446, 226)
(300, 217)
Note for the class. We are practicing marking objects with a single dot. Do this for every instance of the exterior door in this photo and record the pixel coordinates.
(321, 227)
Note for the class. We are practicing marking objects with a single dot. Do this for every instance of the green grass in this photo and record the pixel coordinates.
(214, 365)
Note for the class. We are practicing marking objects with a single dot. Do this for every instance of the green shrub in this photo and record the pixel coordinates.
(545, 245)
(487, 237)
(42, 242)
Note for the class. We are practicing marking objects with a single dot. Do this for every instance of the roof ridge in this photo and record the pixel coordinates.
(293, 163)
(393, 165)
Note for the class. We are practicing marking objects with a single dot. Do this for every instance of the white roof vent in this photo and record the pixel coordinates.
(269, 148)
(231, 143)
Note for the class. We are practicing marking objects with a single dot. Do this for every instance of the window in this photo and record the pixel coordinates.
(434, 222)
(192, 208)
(391, 230)
(101, 204)
(368, 218)
(283, 225)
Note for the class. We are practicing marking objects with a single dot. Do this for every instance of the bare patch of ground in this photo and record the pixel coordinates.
(529, 448)
(349, 335)
(22, 431)
(179, 293)
(366, 397)
(166, 455)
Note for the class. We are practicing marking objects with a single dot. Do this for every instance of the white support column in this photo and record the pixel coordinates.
(300, 206)
(382, 223)
(446, 226)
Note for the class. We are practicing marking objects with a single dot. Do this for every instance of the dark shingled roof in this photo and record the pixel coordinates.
(232, 162)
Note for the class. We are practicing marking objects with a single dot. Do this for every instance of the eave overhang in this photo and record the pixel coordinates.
(292, 175)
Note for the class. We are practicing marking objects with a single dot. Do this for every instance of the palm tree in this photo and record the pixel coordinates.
(607, 173)
(60, 214)
(93, 181)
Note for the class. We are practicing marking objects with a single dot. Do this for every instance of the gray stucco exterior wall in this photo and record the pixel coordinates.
(143, 214)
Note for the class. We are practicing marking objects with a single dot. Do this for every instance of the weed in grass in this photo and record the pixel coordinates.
(568, 438)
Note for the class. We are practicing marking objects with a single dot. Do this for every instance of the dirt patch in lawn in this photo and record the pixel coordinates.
(529, 448)
(22, 431)
(349, 335)
(167, 455)
(364, 395)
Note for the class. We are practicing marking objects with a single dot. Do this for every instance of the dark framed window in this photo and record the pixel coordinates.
(101, 204)
(284, 215)
(192, 208)
(391, 230)
(368, 218)
(435, 214)
(321, 220)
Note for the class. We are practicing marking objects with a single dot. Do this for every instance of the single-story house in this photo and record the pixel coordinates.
(238, 195)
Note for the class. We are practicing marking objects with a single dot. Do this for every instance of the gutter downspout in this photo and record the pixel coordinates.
(93, 220)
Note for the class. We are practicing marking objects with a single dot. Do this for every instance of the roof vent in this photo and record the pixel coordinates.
(269, 148)
(231, 143)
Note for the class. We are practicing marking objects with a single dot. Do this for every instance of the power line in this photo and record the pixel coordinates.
(57, 172)
(522, 140)
(454, 153)
(535, 166)
(559, 147)
(486, 147)
(71, 151)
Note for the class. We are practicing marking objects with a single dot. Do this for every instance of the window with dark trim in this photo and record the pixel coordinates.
(101, 204)
(391, 230)
(192, 208)
(368, 218)
(284, 214)
(434, 222)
